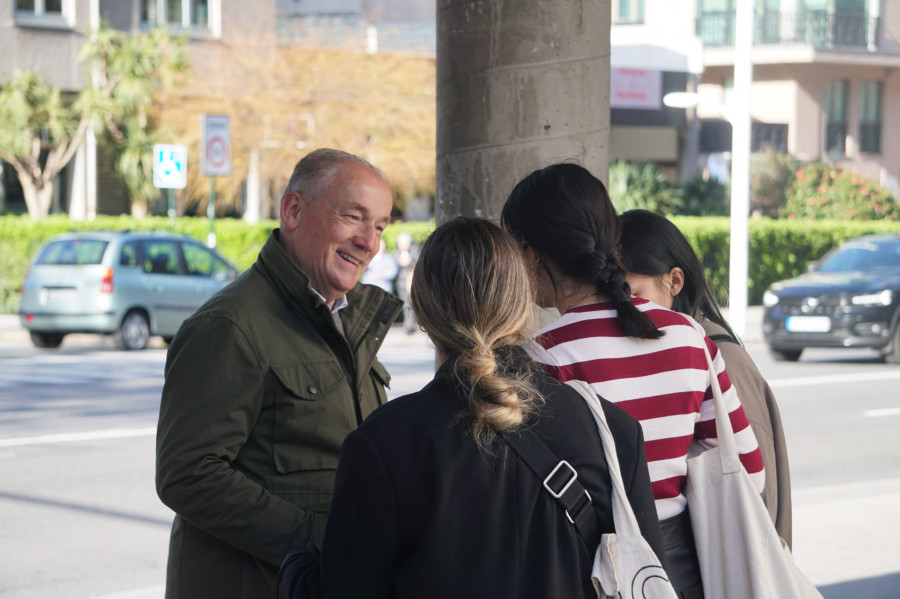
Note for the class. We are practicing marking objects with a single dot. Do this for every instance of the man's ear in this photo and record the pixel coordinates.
(291, 207)
(676, 276)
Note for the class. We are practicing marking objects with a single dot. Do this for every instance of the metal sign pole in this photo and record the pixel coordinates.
(211, 213)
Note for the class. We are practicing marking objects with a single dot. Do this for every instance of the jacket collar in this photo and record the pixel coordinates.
(285, 276)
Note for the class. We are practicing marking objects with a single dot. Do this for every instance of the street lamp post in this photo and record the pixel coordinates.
(736, 112)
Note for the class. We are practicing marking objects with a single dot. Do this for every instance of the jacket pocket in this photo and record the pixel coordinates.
(314, 411)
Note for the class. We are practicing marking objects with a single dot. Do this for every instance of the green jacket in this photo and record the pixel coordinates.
(254, 410)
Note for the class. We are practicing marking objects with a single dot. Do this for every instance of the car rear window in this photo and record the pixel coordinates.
(73, 251)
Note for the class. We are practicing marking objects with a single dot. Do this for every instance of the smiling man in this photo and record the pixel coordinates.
(267, 378)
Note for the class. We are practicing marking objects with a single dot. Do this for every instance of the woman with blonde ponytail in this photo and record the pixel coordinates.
(430, 500)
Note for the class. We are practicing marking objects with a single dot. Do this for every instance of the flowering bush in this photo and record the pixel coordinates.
(825, 191)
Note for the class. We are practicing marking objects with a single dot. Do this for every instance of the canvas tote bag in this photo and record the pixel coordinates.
(740, 553)
(625, 565)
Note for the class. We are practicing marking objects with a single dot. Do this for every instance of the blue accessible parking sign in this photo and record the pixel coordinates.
(169, 166)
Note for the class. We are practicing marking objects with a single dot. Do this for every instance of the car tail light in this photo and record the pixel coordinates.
(106, 286)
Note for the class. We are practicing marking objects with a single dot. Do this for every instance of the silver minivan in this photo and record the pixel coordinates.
(131, 285)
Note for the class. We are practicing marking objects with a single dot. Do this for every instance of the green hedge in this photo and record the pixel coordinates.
(20, 239)
(778, 248)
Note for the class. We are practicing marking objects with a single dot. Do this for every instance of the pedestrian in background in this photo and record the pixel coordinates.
(382, 270)
(430, 500)
(406, 252)
(661, 266)
(648, 360)
(266, 379)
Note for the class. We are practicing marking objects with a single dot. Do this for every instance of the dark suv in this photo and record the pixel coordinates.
(128, 284)
(850, 298)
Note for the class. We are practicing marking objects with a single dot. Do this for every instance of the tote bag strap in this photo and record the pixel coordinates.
(623, 515)
(560, 480)
(731, 461)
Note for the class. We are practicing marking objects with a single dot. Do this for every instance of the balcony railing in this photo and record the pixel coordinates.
(819, 28)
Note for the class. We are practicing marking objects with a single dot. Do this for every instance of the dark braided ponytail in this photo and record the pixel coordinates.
(564, 213)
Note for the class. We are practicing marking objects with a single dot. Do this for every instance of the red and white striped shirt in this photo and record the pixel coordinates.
(663, 383)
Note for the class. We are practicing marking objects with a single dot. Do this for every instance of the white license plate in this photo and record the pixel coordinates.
(59, 295)
(807, 324)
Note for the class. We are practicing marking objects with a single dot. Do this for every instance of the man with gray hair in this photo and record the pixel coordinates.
(266, 379)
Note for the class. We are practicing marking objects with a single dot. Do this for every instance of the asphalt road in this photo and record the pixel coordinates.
(80, 517)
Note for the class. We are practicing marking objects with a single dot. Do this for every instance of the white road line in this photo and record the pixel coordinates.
(882, 412)
(113, 433)
(834, 378)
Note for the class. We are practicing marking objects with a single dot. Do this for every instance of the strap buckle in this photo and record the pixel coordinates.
(568, 483)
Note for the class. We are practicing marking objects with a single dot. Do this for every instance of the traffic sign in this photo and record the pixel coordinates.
(169, 166)
(216, 144)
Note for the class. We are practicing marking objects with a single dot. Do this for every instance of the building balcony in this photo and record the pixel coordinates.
(816, 28)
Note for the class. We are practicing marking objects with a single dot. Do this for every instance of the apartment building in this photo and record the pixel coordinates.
(826, 86)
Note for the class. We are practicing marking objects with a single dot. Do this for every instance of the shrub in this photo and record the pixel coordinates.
(703, 197)
(821, 191)
(771, 174)
(635, 185)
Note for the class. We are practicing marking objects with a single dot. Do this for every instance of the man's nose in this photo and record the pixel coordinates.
(367, 238)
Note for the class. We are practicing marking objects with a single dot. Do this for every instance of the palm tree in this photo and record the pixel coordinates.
(41, 128)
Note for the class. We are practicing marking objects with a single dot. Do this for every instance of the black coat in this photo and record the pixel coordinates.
(419, 511)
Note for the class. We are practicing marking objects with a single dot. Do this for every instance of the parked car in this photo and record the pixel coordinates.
(131, 285)
(849, 298)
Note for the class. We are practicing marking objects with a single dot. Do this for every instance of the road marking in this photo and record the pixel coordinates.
(113, 433)
(882, 412)
(834, 378)
(144, 593)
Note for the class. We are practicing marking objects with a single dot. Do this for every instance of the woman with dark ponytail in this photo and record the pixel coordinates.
(430, 500)
(646, 359)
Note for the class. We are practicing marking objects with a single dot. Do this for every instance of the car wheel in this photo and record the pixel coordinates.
(786, 355)
(893, 357)
(134, 332)
(46, 340)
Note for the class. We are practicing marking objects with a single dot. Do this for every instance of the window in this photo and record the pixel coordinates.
(40, 7)
(768, 135)
(870, 94)
(836, 117)
(129, 255)
(177, 13)
(52, 13)
(628, 11)
(161, 257)
(73, 251)
(202, 262)
(837, 22)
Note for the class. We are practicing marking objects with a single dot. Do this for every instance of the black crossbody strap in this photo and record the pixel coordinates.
(560, 480)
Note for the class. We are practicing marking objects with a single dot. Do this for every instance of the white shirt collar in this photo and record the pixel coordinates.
(339, 304)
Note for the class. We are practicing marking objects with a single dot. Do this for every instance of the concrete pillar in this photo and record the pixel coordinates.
(520, 84)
